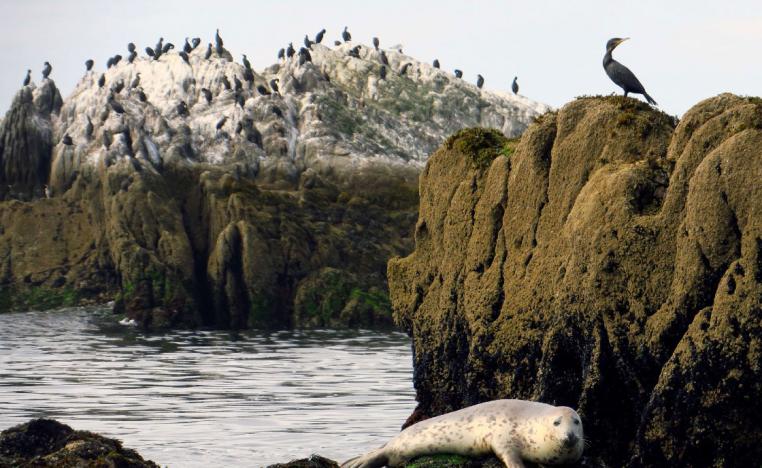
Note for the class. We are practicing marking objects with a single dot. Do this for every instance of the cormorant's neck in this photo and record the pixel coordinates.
(607, 59)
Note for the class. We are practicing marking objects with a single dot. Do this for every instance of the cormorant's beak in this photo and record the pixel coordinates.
(622, 40)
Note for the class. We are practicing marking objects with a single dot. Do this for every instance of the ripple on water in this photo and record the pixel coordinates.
(206, 398)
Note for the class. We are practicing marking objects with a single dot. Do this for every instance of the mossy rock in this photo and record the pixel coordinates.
(481, 145)
(453, 461)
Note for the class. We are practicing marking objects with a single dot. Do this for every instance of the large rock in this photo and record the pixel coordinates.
(611, 263)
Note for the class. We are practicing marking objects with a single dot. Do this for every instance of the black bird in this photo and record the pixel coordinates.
(304, 56)
(207, 95)
(185, 57)
(195, 42)
(319, 36)
(46, 70)
(479, 81)
(218, 42)
(142, 96)
(66, 140)
(458, 73)
(345, 35)
(403, 70)
(238, 128)
(290, 51)
(248, 74)
(307, 42)
(383, 72)
(225, 82)
(28, 77)
(182, 109)
(131, 58)
(102, 80)
(281, 54)
(115, 105)
(167, 47)
(238, 84)
(159, 46)
(88, 127)
(239, 99)
(263, 91)
(149, 52)
(187, 47)
(376, 42)
(515, 85)
(221, 122)
(354, 52)
(621, 75)
(118, 87)
(130, 47)
(208, 52)
(337, 43)
(135, 81)
(110, 62)
(383, 59)
(436, 63)
(89, 64)
(274, 86)
(246, 62)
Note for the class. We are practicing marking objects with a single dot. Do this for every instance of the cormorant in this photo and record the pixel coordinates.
(88, 127)
(167, 47)
(240, 100)
(319, 36)
(131, 58)
(248, 74)
(263, 91)
(89, 64)
(383, 72)
(274, 85)
(115, 105)
(195, 42)
(159, 46)
(354, 52)
(479, 81)
(46, 70)
(376, 42)
(403, 70)
(621, 75)
(307, 42)
(246, 62)
(119, 86)
(238, 84)
(306, 54)
(225, 82)
(207, 95)
(117, 59)
(290, 51)
(221, 122)
(182, 109)
(383, 59)
(135, 81)
(458, 73)
(28, 77)
(66, 140)
(218, 42)
(337, 43)
(238, 128)
(102, 80)
(130, 47)
(149, 52)
(185, 57)
(515, 85)
(436, 63)
(208, 52)
(281, 54)
(187, 47)
(142, 96)
(109, 62)
(345, 35)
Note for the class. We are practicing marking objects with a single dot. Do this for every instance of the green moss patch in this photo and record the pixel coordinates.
(37, 298)
(481, 145)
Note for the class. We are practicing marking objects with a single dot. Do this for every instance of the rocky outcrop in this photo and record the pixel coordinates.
(43, 443)
(611, 261)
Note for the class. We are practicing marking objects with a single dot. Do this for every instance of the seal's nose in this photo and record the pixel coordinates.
(571, 439)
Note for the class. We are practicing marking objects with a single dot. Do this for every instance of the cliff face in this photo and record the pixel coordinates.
(201, 193)
(611, 263)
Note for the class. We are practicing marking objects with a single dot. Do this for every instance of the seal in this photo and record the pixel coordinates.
(513, 430)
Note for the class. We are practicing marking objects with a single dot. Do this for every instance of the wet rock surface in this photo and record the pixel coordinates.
(609, 262)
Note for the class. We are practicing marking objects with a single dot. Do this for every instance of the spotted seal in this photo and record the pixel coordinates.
(513, 430)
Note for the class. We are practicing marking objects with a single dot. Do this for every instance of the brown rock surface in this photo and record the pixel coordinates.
(612, 263)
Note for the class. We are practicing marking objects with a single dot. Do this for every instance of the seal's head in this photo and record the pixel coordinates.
(560, 431)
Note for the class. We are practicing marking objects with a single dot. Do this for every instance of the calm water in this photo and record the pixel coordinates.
(203, 398)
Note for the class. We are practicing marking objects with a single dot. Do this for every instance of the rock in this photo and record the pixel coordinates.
(314, 461)
(609, 262)
(48, 443)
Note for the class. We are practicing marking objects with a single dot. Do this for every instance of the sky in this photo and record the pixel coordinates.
(682, 51)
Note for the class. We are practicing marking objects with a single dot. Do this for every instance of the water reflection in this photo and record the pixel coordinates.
(204, 398)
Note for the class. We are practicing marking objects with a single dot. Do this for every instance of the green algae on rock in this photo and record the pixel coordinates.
(611, 266)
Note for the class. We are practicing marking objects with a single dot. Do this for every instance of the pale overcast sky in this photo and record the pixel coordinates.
(682, 51)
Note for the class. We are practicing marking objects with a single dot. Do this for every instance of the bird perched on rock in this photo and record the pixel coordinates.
(66, 140)
(89, 64)
(195, 42)
(383, 59)
(141, 95)
(118, 87)
(246, 62)
(304, 56)
(382, 72)
(515, 85)
(185, 57)
(621, 75)
(479, 81)
(221, 122)
(238, 84)
(207, 95)
(208, 52)
(218, 42)
(345, 35)
(376, 43)
(281, 54)
(337, 43)
(131, 58)
(135, 81)
(118, 108)
(263, 91)
(274, 86)
(102, 80)
(290, 51)
(225, 82)
(88, 127)
(150, 52)
(248, 75)
(130, 47)
(167, 47)
(182, 109)
(319, 36)
(435, 63)
(307, 42)
(187, 47)
(403, 70)
(458, 73)
(46, 70)
(28, 78)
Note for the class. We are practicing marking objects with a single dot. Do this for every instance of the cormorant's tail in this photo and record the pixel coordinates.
(649, 99)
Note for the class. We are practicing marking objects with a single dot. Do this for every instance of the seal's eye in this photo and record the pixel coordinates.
(557, 422)
(576, 422)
